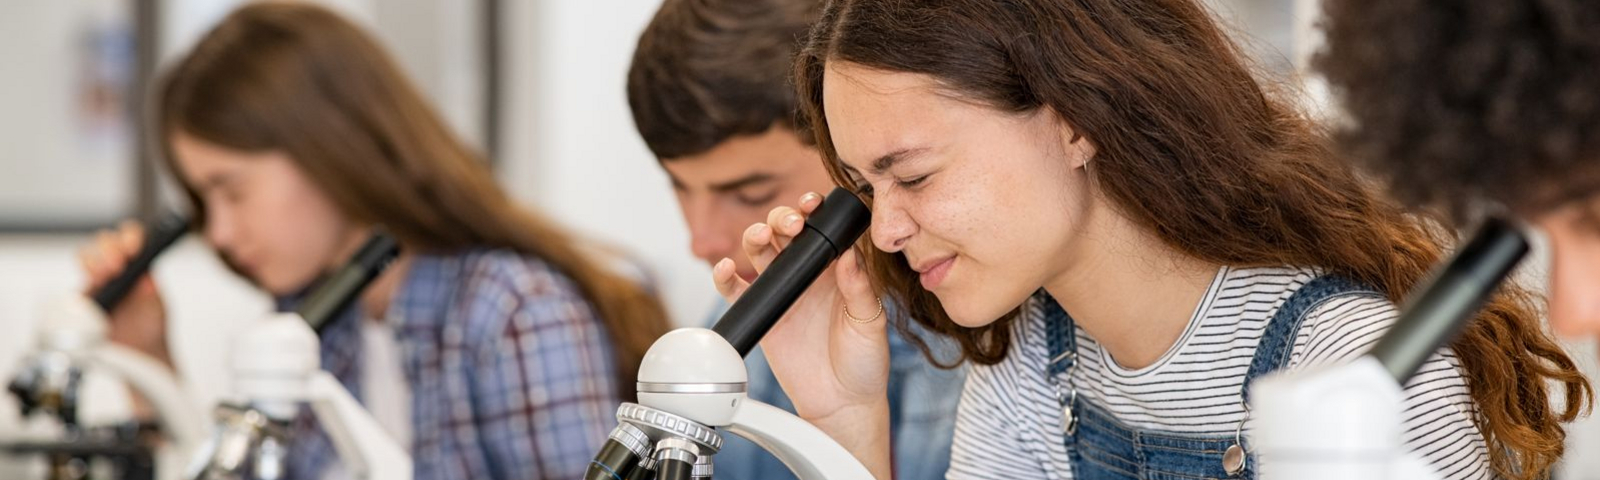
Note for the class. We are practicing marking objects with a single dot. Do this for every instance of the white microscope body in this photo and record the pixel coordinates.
(276, 368)
(1337, 423)
(693, 380)
(276, 365)
(695, 374)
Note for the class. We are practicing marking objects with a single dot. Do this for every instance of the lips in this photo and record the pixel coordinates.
(934, 272)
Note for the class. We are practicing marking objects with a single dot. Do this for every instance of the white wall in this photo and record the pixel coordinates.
(570, 147)
(44, 142)
(435, 41)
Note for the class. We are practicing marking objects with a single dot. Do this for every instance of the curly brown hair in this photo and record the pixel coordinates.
(1190, 146)
(1466, 100)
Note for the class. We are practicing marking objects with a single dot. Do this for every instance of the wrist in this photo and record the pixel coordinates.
(862, 429)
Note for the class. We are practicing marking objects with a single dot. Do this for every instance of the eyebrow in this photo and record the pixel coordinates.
(888, 160)
(732, 185)
(214, 181)
(747, 180)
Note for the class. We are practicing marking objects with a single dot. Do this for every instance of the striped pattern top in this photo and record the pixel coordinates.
(1009, 425)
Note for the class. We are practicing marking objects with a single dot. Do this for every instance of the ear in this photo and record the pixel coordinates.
(1077, 148)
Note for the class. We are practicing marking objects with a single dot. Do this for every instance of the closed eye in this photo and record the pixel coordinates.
(913, 183)
(863, 188)
(756, 200)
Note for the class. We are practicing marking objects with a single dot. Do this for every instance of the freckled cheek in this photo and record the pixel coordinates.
(962, 215)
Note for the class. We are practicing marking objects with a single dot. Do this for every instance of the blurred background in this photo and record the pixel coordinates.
(537, 85)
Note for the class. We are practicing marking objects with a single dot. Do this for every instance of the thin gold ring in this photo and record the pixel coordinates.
(863, 321)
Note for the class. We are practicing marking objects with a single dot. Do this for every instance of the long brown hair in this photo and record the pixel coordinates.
(301, 80)
(1191, 147)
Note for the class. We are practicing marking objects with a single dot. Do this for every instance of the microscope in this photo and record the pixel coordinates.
(692, 380)
(72, 340)
(1344, 421)
(276, 367)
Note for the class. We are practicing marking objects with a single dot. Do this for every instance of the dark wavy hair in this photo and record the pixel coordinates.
(1453, 102)
(709, 70)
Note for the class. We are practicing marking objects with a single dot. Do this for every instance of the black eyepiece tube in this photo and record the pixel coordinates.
(338, 290)
(830, 230)
(640, 472)
(1435, 313)
(162, 234)
(672, 469)
(614, 462)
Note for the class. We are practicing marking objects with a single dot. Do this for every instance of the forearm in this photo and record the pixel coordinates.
(139, 406)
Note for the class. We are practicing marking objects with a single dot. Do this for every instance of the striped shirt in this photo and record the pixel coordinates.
(1009, 425)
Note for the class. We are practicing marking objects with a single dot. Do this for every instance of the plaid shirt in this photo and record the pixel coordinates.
(511, 371)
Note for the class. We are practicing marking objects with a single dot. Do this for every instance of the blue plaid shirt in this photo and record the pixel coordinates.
(511, 371)
(922, 409)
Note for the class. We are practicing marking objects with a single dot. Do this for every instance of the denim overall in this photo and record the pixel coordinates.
(1103, 448)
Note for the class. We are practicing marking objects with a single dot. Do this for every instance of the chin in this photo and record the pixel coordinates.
(975, 309)
(276, 289)
(280, 286)
(969, 313)
(971, 322)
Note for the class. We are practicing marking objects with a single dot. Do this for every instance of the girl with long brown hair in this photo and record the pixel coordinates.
(1123, 228)
(495, 347)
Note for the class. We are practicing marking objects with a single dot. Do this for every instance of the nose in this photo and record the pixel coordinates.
(892, 226)
(220, 229)
(710, 235)
(708, 245)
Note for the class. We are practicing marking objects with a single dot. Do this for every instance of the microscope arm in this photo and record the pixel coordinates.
(366, 448)
(156, 383)
(811, 454)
